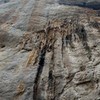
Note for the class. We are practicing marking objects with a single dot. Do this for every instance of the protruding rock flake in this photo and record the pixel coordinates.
(49, 50)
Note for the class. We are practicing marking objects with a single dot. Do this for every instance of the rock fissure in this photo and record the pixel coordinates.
(39, 72)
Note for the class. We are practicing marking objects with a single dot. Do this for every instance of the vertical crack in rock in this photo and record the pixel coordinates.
(39, 72)
(45, 45)
(62, 44)
(51, 80)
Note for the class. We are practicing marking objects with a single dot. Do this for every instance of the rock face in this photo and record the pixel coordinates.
(49, 50)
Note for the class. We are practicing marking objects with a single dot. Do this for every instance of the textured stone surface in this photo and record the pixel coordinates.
(49, 50)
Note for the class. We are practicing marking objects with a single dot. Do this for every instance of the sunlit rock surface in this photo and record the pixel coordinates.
(49, 50)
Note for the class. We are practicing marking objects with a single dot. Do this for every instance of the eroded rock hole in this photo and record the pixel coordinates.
(2, 45)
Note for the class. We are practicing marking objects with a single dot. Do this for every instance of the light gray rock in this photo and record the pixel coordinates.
(49, 50)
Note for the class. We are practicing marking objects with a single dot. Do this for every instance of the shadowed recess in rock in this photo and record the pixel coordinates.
(39, 72)
(92, 4)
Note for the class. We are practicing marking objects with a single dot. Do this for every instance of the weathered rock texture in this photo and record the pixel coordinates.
(49, 50)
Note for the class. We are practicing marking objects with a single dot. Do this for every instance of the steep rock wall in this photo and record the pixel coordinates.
(48, 51)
